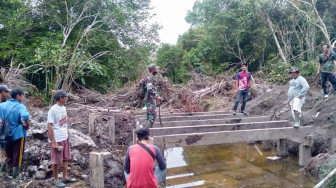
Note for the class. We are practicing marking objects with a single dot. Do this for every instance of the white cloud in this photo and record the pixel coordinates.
(170, 14)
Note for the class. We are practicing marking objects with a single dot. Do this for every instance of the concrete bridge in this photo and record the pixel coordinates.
(207, 128)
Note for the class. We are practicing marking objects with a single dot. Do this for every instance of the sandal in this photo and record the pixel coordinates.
(59, 183)
(70, 180)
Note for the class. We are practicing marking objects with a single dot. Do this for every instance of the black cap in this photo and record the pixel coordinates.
(17, 91)
(142, 133)
(61, 93)
(4, 88)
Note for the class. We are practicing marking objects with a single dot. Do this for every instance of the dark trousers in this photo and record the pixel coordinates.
(324, 77)
(244, 94)
(14, 152)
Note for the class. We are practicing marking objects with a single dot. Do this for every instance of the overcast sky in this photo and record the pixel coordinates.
(170, 15)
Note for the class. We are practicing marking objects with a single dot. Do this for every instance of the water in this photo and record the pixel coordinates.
(233, 165)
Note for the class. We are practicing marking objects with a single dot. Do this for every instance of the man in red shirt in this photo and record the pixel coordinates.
(243, 83)
(139, 163)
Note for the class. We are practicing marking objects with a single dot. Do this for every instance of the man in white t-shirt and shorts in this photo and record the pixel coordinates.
(59, 138)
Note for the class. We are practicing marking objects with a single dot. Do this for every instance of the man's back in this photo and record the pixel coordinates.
(15, 112)
(151, 93)
(141, 167)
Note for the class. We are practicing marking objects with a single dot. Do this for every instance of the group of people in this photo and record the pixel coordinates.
(16, 114)
(139, 167)
(298, 85)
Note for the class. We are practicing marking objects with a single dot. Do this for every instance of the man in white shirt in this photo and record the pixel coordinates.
(59, 138)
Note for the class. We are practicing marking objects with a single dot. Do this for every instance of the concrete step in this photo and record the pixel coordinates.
(217, 127)
(194, 117)
(186, 114)
(212, 121)
(233, 136)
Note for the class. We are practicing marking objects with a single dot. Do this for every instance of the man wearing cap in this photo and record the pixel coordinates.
(243, 84)
(139, 167)
(58, 132)
(298, 88)
(327, 69)
(4, 95)
(18, 119)
(151, 96)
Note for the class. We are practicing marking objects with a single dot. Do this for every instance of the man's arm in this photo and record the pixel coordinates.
(149, 86)
(320, 65)
(305, 87)
(24, 115)
(160, 159)
(27, 124)
(127, 165)
(52, 135)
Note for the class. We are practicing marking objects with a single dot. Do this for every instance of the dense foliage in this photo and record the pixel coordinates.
(60, 44)
(270, 35)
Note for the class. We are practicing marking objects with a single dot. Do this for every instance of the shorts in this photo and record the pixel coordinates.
(296, 104)
(57, 157)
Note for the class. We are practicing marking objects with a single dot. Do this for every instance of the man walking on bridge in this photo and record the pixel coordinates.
(243, 84)
(298, 88)
(151, 96)
(327, 69)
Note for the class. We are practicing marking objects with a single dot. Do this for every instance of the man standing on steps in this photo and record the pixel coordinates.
(327, 69)
(243, 84)
(298, 88)
(151, 96)
(4, 95)
(139, 167)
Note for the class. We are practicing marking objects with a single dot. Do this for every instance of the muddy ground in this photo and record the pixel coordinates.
(200, 94)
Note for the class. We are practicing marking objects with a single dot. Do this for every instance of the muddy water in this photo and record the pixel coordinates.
(233, 165)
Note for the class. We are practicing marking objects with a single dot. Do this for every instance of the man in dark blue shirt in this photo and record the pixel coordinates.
(18, 119)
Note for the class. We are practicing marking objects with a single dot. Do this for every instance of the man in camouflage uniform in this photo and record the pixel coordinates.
(151, 96)
(327, 68)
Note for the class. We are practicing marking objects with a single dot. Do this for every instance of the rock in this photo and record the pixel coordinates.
(42, 135)
(44, 165)
(38, 130)
(31, 170)
(78, 139)
(39, 115)
(84, 176)
(115, 169)
(78, 158)
(40, 175)
(268, 90)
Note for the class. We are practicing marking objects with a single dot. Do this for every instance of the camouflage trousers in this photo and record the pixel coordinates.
(151, 111)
